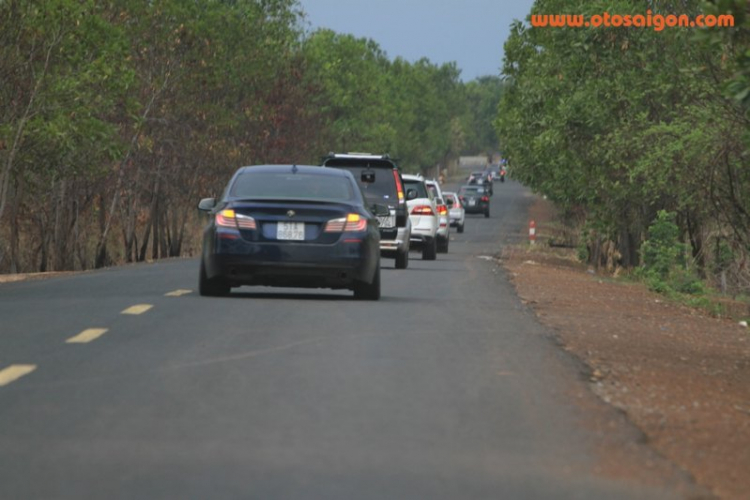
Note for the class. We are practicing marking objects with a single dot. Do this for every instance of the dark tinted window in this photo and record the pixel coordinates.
(418, 185)
(383, 190)
(272, 185)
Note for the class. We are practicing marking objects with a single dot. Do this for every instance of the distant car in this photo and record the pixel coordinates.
(291, 226)
(481, 179)
(474, 177)
(444, 228)
(380, 180)
(424, 216)
(494, 172)
(475, 199)
(456, 212)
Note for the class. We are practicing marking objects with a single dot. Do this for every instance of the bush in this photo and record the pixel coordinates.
(664, 265)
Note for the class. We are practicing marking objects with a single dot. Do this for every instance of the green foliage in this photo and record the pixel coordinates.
(662, 251)
(621, 123)
(418, 112)
(115, 116)
(664, 266)
(482, 99)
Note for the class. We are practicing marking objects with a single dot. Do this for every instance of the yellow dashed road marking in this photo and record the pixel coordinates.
(137, 309)
(87, 336)
(178, 293)
(14, 372)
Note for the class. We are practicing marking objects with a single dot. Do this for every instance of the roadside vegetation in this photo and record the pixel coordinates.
(641, 138)
(116, 117)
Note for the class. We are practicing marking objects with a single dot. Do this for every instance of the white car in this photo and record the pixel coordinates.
(456, 211)
(423, 215)
(444, 228)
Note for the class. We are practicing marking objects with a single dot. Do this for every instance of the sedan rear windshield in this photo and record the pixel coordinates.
(275, 185)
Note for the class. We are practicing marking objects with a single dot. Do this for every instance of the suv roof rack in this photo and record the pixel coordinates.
(369, 156)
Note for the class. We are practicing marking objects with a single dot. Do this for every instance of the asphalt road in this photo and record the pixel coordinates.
(447, 388)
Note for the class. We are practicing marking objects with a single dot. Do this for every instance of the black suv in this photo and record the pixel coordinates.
(380, 180)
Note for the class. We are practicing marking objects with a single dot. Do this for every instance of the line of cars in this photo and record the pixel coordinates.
(312, 227)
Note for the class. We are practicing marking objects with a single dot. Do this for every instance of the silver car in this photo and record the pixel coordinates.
(456, 211)
(444, 230)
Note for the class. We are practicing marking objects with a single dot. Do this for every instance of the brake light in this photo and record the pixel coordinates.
(442, 210)
(399, 187)
(350, 223)
(226, 218)
(230, 218)
(355, 222)
(245, 222)
(422, 210)
(485, 198)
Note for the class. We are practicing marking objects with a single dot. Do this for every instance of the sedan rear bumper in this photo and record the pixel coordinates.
(240, 262)
(477, 209)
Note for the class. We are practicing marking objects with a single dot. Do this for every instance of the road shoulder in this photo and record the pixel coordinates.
(681, 377)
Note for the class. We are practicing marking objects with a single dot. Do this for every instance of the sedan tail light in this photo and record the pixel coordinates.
(350, 223)
(229, 218)
(226, 218)
(485, 198)
(442, 209)
(422, 210)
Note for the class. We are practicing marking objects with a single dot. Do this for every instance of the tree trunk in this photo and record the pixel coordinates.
(15, 266)
(101, 259)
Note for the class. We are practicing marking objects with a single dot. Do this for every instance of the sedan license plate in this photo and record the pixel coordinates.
(290, 231)
(387, 222)
(472, 203)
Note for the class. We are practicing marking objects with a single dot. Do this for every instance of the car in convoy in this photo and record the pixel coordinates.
(481, 179)
(474, 177)
(444, 228)
(494, 172)
(380, 179)
(456, 212)
(475, 199)
(291, 226)
(423, 213)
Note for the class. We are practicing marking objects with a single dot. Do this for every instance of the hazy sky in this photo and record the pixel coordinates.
(469, 32)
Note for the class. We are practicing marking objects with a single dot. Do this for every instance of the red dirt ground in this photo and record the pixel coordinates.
(680, 376)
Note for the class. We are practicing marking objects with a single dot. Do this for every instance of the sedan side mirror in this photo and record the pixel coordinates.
(207, 204)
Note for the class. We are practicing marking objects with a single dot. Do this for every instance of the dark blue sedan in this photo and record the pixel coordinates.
(291, 226)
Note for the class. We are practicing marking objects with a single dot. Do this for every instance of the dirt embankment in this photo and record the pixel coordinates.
(681, 376)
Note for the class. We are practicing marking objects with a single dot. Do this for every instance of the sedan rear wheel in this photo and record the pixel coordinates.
(369, 291)
(215, 287)
(429, 252)
(402, 259)
(443, 246)
(461, 228)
